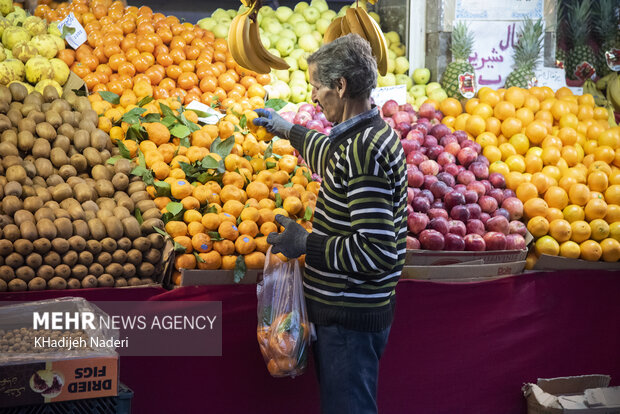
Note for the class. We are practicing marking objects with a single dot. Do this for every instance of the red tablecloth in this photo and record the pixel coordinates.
(454, 348)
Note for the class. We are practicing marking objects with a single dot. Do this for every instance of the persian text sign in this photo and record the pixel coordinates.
(499, 9)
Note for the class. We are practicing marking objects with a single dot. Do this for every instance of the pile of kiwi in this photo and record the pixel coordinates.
(68, 217)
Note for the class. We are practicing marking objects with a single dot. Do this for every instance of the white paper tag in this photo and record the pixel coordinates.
(552, 77)
(76, 34)
(576, 90)
(384, 94)
(214, 117)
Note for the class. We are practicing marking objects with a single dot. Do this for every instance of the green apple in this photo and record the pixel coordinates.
(328, 14)
(421, 76)
(342, 11)
(265, 41)
(298, 75)
(401, 65)
(266, 11)
(296, 18)
(402, 79)
(220, 30)
(391, 54)
(299, 7)
(297, 53)
(302, 62)
(398, 48)
(288, 34)
(292, 63)
(308, 42)
(232, 13)
(392, 37)
(285, 46)
(284, 91)
(375, 16)
(318, 36)
(311, 14)
(220, 14)
(288, 26)
(431, 87)
(419, 101)
(438, 95)
(320, 5)
(391, 66)
(410, 100)
(387, 80)
(271, 92)
(275, 52)
(208, 23)
(298, 93)
(417, 91)
(301, 28)
(322, 24)
(283, 13)
(272, 25)
(283, 75)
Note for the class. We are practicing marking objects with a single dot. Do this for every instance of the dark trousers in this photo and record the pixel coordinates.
(347, 365)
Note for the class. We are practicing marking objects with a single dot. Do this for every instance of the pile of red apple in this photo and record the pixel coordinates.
(454, 203)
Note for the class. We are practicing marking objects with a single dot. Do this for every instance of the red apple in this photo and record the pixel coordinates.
(426, 111)
(435, 151)
(465, 177)
(488, 204)
(431, 240)
(517, 227)
(466, 156)
(474, 243)
(389, 108)
(402, 117)
(429, 180)
(417, 222)
(430, 141)
(416, 158)
(421, 204)
(495, 241)
(509, 193)
(453, 198)
(474, 210)
(515, 242)
(451, 168)
(475, 227)
(409, 210)
(482, 159)
(501, 212)
(409, 145)
(461, 188)
(461, 136)
(440, 224)
(446, 178)
(453, 148)
(454, 242)
(471, 196)
(440, 130)
(514, 206)
(428, 194)
(390, 122)
(302, 118)
(412, 243)
(459, 212)
(438, 204)
(478, 187)
(499, 224)
(417, 135)
(439, 189)
(410, 195)
(484, 217)
(429, 167)
(414, 178)
(457, 227)
(497, 180)
(437, 213)
(480, 170)
(447, 139)
(497, 194)
(487, 186)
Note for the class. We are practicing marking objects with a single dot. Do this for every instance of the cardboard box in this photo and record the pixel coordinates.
(546, 262)
(464, 272)
(442, 258)
(586, 394)
(74, 82)
(52, 365)
(196, 277)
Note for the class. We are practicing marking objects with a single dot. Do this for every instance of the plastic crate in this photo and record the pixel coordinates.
(121, 404)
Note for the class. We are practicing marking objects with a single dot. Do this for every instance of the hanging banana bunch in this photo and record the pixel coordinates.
(356, 20)
(245, 45)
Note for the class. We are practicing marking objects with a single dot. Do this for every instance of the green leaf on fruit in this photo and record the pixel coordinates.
(151, 118)
(210, 209)
(308, 214)
(162, 189)
(123, 150)
(240, 269)
(141, 160)
(178, 247)
(278, 200)
(110, 97)
(162, 232)
(169, 120)
(270, 164)
(243, 122)
(198, 258)
(145, 100)
(275, 104)
(112, 160)
(179, 131)
(138, 214)
(308, 176)
(223, 148)
(133, 116)
(215, 236)
(288, 185)
(268, 150)
(67, 31)
(175, 208)
(166, 111)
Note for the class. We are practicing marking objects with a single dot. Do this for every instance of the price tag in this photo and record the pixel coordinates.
(467, 85)
(612, 57)
(73, 31)
(551, 77)
(384, 94)
(212, 119)
(576, 90)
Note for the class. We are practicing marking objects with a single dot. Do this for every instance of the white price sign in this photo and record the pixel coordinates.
(75, 34)
(384, 94)
(212, 119)
(551, 77)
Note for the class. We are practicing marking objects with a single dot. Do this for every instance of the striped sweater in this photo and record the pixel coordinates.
(356, 250)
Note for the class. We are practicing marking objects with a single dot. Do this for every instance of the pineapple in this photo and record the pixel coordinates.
(462, 44)
(578, 24)
(526, 54)
(606, 30)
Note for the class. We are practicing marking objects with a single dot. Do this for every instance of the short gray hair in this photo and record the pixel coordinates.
(348, 57)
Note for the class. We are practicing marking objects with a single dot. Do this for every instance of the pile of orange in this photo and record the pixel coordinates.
(128, 46)
(559, 154)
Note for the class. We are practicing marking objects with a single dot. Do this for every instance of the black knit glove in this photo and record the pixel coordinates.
(273, 122)
(292, 241)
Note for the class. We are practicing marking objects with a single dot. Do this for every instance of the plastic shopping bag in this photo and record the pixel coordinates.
(283, 329)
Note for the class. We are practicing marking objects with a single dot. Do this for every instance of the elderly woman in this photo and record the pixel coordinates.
(356, 251)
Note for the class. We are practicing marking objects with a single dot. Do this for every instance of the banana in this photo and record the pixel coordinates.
(333, 31)
(344, 26)
(602, 83)
(250, 54)
(371, 34)
(611, 118)
(235, 39)
(354, 23)
(256, 44)
(382, 63)
(613, 92)
(599, 98)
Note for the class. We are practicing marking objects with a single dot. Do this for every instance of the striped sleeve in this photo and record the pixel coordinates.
(313, 147)
(371, 249)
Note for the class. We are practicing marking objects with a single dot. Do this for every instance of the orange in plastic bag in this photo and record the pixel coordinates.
(283, 330)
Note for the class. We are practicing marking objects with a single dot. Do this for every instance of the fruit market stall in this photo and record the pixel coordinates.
(132, 170)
